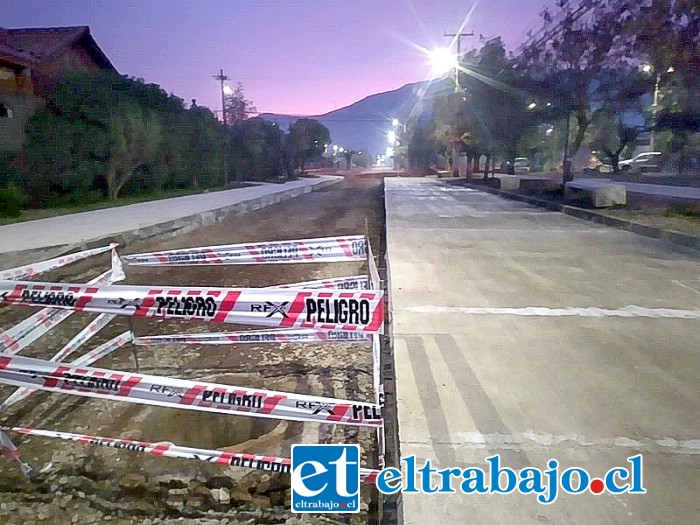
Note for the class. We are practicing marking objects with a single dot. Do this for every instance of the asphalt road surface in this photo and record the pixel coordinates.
(538, 336)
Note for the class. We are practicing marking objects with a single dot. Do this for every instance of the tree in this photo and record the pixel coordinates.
(134, 136)
(103, 132)
(568, 64)
(238, 107)
(612, 135)
(307, 141)
(257, 150)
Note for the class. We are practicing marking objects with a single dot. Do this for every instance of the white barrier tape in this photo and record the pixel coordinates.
(74, 344)
(291, 308)
(185, 394)
(101, 351)
(375, 280)
(356, 282)
(34, 269)
(8, 448)
(168, 450)
(97, 324)
(26, 332)
(254, 336)
(104, 349)
(328, 249)
(117, 268)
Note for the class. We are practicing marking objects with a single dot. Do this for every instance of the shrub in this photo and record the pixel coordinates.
(12, 200)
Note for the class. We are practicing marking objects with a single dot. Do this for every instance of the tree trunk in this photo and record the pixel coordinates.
(583, 124)
(302, 165)
(486, 166)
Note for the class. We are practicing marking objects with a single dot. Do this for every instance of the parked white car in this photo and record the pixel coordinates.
(648, 160)
(521, 164)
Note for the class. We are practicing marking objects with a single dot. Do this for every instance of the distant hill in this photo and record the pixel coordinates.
(363, 126)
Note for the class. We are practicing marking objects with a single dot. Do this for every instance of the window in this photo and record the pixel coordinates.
(5, 111)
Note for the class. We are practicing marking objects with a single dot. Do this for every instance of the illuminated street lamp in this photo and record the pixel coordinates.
(228, 91)
(442, 61)
(395, 122)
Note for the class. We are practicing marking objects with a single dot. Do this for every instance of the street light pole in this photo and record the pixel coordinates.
(654, 109)
(458, 36)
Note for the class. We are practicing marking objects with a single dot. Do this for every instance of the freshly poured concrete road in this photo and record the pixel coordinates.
(81, 227)
(535, 335)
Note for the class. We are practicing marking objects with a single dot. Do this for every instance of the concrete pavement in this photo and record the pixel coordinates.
(148, 218)
(530, 334)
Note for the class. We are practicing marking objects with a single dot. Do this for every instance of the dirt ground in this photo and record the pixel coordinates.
(96, 485)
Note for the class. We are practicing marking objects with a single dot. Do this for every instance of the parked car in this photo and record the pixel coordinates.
(644, 161)
(521, 165)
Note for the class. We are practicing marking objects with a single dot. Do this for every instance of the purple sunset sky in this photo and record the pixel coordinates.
(303, 57)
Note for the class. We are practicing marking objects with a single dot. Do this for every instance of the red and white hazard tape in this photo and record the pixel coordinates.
(356, 282)
(32, 270)
(328, 249)
(168, 450)
(26, 332)
(181, 393)
(101, 351)
(283, 335)
(94, 326)
(290, 308)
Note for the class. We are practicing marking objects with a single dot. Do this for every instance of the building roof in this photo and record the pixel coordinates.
(29, 46)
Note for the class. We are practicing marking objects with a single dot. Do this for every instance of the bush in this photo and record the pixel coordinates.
(12, 200)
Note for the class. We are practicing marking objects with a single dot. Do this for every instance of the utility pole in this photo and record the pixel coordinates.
(458, 88)
(458, 36)
(221, 78)
(224, 164)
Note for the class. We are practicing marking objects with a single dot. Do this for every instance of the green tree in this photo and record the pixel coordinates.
(257, 150)
(572, 59)
(101, 131)
(307, 141)
(134, 136)
(238, 107)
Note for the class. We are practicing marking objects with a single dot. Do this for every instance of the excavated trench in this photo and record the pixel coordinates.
(94, 485)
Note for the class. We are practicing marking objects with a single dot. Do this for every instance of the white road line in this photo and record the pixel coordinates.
(532, 440)
(571, 311)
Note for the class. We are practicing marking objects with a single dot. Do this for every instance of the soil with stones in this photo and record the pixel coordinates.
(87, 484)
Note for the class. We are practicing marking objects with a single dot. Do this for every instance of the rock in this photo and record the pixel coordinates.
(241, 496)
(195, 502)
(133, 483)
(176, 498)
(75, 519)
(221, 496)
(261, 502)
(219, 482)
(172, 482)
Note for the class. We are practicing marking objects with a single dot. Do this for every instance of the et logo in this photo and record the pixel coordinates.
(326, 478)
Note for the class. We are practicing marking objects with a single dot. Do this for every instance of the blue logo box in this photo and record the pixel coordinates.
(326, 478)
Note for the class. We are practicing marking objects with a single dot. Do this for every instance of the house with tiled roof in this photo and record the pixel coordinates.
(32, 60)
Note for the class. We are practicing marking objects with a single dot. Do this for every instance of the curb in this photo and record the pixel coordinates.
(680, 239)
(190, 223)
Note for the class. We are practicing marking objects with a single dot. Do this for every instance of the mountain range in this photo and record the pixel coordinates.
(364, 125)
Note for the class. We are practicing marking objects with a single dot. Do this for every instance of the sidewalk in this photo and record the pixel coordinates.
(150, 218)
